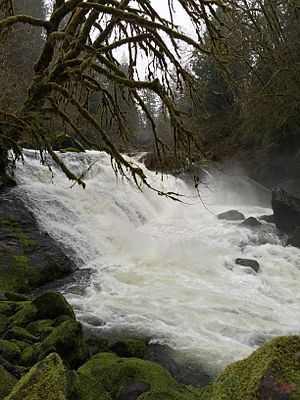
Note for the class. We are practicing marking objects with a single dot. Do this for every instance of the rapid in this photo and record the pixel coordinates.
(166, 270)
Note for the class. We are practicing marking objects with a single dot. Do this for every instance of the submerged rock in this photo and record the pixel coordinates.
(251, 222)
(231, 215)
(286, 210)
(245, 262)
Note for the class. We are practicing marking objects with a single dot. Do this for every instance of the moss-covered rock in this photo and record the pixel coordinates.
(21, 334)
(67, 341)
(61, 319)
(271, 372)
(46, 380)
(7, 382)
(131, 348)
(29, 356)
(4, 322)
(25, 315)
(108, 373)
(9, 308)
(180, 393)
(96, 344)
(41, 327)
(10, 351)
(51, 305)
(12, 296)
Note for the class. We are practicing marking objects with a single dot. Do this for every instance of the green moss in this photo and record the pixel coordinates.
(21, 334)
(13, 226)
(17, 273)
(96, 344)
(7, 382)
(66, 340)
(61, 319)
(108, 373)
(244, 379)
(8, 350)
(29, 356)
(4, 322)
(131, 348)
(20, 344)
(52, 304)
(171, 394)
(42, 327)
(16, 296)
(9, 308)
(25, 315)
(45, 380)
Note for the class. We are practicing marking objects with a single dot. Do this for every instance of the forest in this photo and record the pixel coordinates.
(149, 199)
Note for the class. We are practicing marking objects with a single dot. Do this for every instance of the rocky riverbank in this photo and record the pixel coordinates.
(45, 355)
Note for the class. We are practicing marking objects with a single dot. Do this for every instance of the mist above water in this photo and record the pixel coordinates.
(166, 270)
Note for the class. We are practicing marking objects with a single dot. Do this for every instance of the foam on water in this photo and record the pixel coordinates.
(164, 269)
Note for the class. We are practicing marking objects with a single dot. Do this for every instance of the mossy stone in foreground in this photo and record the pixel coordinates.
(46, 380)
(8, 350)
(7, 382)
(18, 333)
(25, 315)
(108, 373)
(131, 348)
(12, 296)
(51, 305)
(271, 372)
(41, 327)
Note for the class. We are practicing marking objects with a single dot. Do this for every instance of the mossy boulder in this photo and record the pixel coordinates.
(18, 333)
(271, 372)
(12, 296)
(46, 380)
(51, 305)
(107, 374)
(41, 327)
(29, 356)
(7, 382)
(67, 341)
(9, 308)
(131, 348)
(25, 315)
(96, 344)
(4, 322)
(8, 350)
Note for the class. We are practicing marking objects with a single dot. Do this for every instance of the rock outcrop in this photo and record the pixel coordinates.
(286, 210)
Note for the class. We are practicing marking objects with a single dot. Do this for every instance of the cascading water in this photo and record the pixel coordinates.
(163, 269)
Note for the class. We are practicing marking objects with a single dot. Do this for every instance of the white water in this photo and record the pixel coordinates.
(165, 269)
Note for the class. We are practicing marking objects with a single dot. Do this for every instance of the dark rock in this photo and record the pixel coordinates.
(286, 210)
(131, 348)
(291, 186)
(251, 222)
(294, 240)
(268, 218)
(245, 262)
(51, 305)
(96, 344)
(231, 215)
(133, 390)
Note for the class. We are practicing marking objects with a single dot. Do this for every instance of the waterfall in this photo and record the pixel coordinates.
(164, 269)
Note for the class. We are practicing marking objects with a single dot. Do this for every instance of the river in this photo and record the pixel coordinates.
(163, 269)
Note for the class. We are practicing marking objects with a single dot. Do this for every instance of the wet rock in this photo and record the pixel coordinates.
(268, 218)
(245, 262)
(131, 348)
(251, 222)
(286, 210)
(231, 215)
(52, 304)
(46, 380)
(294, 240)
(133, 390)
